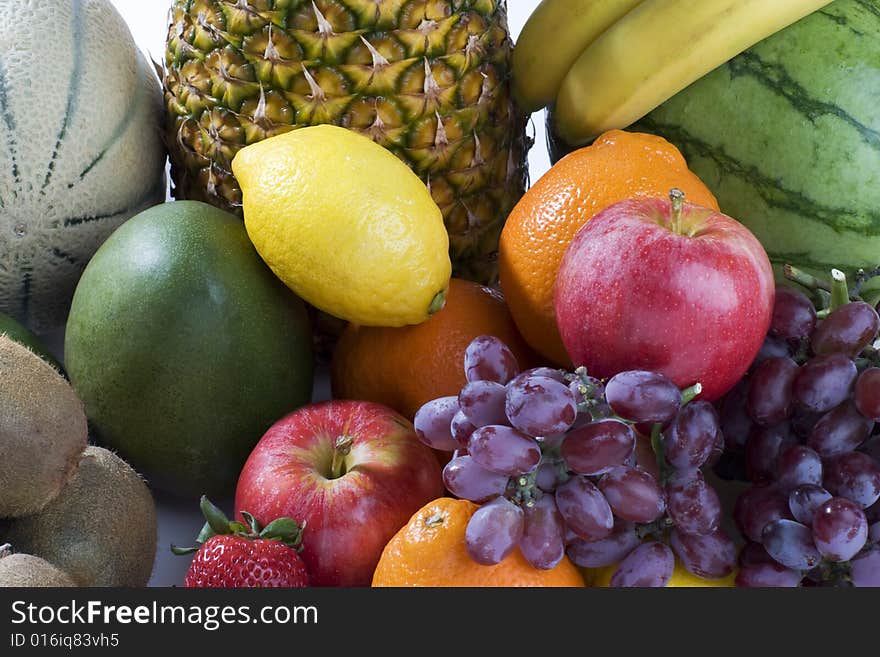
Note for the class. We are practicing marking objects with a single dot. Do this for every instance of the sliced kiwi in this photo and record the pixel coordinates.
(43, 430)
(101, 529)
(26, 570)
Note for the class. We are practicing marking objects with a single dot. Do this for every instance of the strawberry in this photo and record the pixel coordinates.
(235, 555)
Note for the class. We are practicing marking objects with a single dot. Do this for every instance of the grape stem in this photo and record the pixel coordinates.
(666, 470)
(839, 290)
(863, 277)
(688, 394)
(526, 491)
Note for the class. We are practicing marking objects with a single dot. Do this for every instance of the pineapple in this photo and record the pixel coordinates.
(427, 79)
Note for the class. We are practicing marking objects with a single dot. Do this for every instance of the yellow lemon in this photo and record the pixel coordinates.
(681, 578)
(346, 225)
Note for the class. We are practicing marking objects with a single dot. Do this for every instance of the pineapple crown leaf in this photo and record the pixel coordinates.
(285, 530)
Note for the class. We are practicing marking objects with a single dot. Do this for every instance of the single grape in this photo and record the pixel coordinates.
(804, 500)
(855, 476)
(644, 397)
(488, 359)
(432, 423)
(585, 510)
(494, 531)
(482, 402)
(765, 575)
(763, 449)
(539, 406)
(847, 329)
(758, 506)
(754, 553)
(694, 506)
(649, 565)
(605, 551)
(796, 466)
(865, 569)
(633, 494)
(547, 475)
(735, 421)
(867, 393)
(542, 542)
(504, 450)
(771, 398)
(710, 556)
(824, 381)
(464, 478)
(840, 430)
(772, 347)
(874, 532)
(794, 315)
(840, 529)
(692, 436)
(791, 544)
(461, 428)
(597, 447)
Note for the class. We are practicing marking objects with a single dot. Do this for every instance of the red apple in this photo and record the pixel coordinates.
(664, 285)
(354, 472)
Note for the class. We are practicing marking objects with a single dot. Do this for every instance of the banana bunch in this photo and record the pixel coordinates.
(604, 64)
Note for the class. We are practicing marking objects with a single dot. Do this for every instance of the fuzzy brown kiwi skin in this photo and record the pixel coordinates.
(101, 529)
(28, 571)
(43, 430)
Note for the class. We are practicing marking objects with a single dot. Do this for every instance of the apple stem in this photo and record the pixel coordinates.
(676, 196)
(341, 449)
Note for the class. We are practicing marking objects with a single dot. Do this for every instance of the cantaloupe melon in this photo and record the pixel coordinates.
(80, 146)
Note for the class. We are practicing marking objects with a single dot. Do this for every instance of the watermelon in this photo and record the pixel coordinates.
(787, 137)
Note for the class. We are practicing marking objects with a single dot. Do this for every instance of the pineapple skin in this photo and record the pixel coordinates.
(427, 79)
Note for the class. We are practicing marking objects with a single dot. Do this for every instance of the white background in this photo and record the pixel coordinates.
(179, 520)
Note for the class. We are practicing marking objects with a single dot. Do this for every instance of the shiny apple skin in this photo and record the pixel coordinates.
(389, 475)
(692, 301)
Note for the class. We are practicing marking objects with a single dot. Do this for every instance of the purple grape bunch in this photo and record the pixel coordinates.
(801, 427)
(553, 459)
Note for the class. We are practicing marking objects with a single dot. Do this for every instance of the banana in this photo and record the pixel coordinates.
(551, 40)
(655, 51)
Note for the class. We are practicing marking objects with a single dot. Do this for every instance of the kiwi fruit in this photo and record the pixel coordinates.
(43, 430)
(26, 570)
(101, 529)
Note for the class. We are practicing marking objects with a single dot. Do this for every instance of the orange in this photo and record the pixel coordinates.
(617, 166)
(430, 551)
(408, 366)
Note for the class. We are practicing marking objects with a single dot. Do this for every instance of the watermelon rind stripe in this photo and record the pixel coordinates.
(769, 189)
(778, 81)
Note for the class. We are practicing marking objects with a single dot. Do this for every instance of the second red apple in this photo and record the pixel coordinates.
(664, 285)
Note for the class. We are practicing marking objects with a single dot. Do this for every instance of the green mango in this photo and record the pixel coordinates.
(23, 335)
(185, 348)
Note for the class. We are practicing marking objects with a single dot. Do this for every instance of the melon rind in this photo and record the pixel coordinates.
(80, 147)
